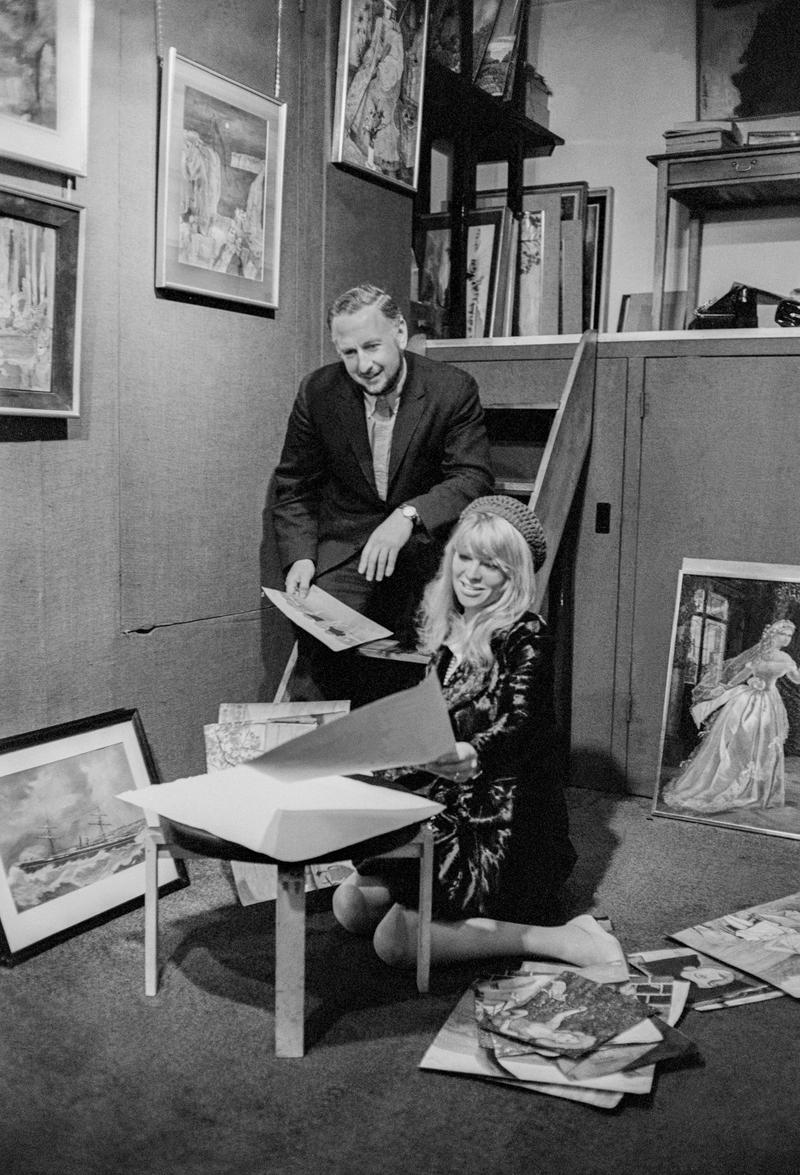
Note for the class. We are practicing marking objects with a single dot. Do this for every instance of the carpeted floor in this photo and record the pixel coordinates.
(98, 1080)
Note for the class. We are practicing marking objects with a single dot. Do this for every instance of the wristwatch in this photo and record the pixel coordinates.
(410, 512)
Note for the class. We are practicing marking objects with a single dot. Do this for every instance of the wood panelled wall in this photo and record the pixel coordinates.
(133, 550)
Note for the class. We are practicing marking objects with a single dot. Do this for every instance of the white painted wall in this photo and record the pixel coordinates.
(621, 72)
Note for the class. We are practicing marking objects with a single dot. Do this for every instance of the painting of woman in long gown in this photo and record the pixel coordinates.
(727, 725)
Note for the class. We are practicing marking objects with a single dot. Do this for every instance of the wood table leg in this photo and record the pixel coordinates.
(290, 961)
(150, 916)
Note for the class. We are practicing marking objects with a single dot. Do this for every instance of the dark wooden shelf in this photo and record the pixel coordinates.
(453, 103)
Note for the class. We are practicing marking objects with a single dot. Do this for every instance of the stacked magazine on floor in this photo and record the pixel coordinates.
(585, 1035)
(565, 1031)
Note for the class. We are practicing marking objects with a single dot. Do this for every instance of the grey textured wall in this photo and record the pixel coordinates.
(133, 551)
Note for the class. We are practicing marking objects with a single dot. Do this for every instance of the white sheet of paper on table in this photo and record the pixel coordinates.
(294, 802)
(288, 821)
(326, 618)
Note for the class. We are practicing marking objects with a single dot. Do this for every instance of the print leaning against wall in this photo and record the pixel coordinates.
(379, 86)
(220, 183)
(730, 748)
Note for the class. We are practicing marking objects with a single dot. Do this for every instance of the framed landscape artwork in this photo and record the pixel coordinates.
(44, 83)
(380, 77)
(747, 58)
(71, 853)
(730, 743)
(220, 187)
(41, 280)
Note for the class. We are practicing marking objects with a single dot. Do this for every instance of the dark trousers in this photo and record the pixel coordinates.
(320, 673)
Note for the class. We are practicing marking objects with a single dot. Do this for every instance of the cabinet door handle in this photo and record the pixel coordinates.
(741, 165)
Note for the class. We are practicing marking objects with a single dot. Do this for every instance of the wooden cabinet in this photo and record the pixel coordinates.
(479, 128)
(695, 452)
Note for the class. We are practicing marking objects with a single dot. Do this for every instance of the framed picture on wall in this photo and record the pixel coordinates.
(71, 853)
(44, 95)
(730, 742)
(380, 77)
(220, 187)
(747, 58)
(41, 281)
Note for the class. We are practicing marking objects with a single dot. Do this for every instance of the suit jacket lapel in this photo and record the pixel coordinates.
(409, 414)
(351, 417)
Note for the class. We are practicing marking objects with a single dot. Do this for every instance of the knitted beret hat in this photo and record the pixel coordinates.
(520, 517)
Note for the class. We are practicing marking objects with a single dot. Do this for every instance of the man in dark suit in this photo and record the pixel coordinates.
(383, 451)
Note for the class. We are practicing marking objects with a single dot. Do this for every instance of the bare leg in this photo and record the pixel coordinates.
(359, 903)
(581, 941)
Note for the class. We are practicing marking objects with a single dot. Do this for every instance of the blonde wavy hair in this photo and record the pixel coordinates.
(440, 618)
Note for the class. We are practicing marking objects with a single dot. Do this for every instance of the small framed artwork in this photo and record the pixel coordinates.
(484, 232)
(71, 853)
(41, 283)
(220, 187)
(730, 742)
(597, 256)
(747, 58)
(44, 96)
(484, 236)
(380, 78)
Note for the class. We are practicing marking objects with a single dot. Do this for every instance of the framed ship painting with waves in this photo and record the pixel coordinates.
(71, 853)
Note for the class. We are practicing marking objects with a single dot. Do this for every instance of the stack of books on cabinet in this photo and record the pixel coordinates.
(703, 135)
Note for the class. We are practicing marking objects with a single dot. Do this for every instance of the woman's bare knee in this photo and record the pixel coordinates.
(358, 908)
(395, 938)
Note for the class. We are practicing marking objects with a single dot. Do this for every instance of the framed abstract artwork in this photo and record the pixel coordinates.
(730, 742)
(44, 83)
(71, 853)
(380, 77)
(220, 187)
(41, 280)
(747, 58)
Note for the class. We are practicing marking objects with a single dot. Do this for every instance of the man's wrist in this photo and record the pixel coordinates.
(410, 512)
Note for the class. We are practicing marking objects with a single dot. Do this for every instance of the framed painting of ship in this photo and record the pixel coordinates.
(71, 853)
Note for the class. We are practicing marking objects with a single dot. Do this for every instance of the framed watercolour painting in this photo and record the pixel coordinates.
(44, 83)
(380, 77)
(71, 853)
(41, 280)
(220, 187)
(730, 744)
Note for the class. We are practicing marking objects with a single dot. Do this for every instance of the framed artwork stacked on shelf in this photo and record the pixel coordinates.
(562, 267)
(380, 77)
(489, 250)
(220, 187)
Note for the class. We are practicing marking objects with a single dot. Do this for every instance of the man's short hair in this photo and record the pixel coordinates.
(355, 299)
